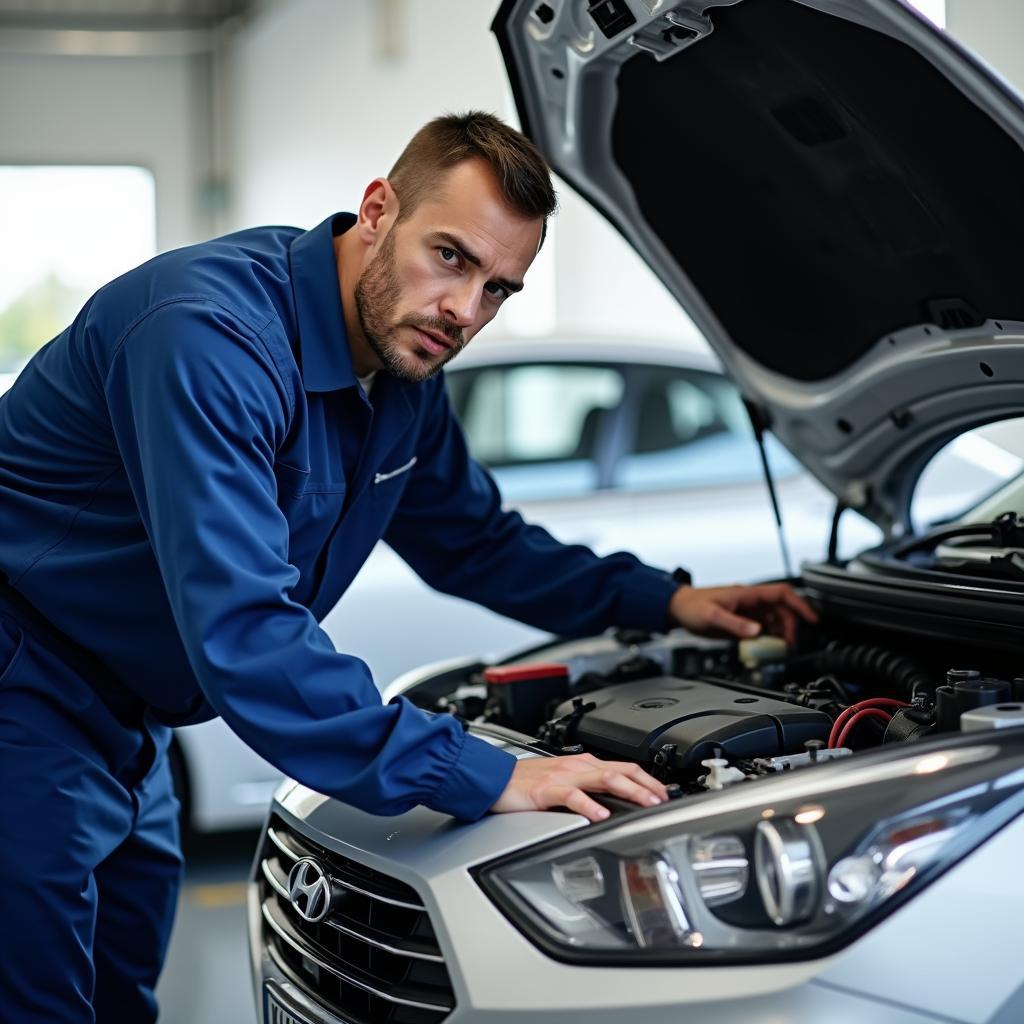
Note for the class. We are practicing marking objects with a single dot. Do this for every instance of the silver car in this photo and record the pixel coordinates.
(833, 191)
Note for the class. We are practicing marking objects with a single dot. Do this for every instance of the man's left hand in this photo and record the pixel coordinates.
(741, 611)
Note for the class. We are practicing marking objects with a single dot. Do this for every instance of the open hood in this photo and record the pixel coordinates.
(832, 189)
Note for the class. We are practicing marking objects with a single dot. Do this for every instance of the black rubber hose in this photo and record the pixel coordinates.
(861, 662)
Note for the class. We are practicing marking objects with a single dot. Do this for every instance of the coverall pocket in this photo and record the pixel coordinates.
(12, 643)
(291, 482)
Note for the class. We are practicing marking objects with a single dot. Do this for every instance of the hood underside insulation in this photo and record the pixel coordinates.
(822, 185)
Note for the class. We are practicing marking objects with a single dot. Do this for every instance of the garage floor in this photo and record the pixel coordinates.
(206, 979)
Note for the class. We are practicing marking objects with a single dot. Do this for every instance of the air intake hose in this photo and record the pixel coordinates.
(872, 665)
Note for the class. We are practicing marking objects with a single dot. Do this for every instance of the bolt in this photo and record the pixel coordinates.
(812, 747)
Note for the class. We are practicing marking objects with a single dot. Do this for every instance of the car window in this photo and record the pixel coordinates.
(538, 427)
(690, 430)
(966, 472)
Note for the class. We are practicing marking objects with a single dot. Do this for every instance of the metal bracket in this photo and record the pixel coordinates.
(671, 34)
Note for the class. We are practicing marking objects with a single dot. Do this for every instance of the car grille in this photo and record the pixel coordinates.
(374, 959)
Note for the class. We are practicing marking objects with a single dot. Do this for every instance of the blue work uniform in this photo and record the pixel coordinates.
(190, 477)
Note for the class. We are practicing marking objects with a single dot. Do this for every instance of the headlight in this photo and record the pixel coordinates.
(789, 867)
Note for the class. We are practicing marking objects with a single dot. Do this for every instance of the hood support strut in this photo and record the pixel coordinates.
(759, 425)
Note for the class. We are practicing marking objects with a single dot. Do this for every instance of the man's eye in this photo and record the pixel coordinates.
(497, 291)
(448, 255)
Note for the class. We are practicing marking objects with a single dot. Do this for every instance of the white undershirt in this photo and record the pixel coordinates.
(367, 382)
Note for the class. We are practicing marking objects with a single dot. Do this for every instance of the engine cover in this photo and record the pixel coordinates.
(633, 721)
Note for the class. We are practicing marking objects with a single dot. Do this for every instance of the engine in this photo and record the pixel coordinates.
(703, 714)
(675, 724)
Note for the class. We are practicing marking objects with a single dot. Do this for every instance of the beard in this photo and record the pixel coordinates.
(376, 296)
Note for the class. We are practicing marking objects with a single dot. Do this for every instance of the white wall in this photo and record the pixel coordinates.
(319, 110)
(318, 113)
(993, 29)
(150, 111)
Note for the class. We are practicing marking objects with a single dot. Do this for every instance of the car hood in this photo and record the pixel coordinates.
(833, 191)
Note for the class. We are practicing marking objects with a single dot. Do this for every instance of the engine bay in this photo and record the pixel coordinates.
(703, 714)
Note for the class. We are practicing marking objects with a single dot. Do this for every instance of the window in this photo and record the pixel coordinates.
(538, 427)
(934, 10)
(691, 430)
(66, 231)
(967, 471)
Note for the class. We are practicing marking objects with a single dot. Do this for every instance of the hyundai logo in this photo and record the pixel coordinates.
(309, 889)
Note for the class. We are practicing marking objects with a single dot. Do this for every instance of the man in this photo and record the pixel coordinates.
(191, 475)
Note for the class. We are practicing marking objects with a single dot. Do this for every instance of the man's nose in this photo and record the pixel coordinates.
(460, 304)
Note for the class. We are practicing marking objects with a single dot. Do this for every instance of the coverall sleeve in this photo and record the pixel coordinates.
(451, 528)
(198, 410)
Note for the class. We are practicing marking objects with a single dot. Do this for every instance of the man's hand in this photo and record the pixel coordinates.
(741, 611)
(539, 783)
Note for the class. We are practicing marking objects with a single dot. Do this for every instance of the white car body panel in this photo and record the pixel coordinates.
(488, 958)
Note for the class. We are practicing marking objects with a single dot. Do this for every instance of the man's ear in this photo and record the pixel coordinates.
(377, 212)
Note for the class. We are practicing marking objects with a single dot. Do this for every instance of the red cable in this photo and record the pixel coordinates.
(871, 702)
(860, 715)
(848, 713)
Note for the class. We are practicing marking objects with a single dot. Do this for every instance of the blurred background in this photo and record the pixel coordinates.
(129, 127)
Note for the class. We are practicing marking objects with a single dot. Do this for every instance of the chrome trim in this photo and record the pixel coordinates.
(342, 976)
(280, 844)
(351, 886)
(311, 1006)
(435, 958)
(376, 895)
(272, 879)
(789, 872)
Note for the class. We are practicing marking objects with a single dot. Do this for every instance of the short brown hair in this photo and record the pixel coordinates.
(439, 145)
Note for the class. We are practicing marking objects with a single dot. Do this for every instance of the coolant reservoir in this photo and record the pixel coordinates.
(762, 650)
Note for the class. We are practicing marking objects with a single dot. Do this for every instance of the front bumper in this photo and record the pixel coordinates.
(908, 970)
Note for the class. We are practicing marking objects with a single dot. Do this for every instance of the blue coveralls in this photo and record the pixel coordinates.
(187, 486)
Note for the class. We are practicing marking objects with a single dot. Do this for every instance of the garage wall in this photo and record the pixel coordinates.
(993, 29)
(323, 97)
(148, 111)
(320, 108)
(318, 112)
(317, 115)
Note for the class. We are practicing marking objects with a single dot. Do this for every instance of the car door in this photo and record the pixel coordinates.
(548, 431)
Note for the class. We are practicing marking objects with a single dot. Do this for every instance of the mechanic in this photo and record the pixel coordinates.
(190, 477)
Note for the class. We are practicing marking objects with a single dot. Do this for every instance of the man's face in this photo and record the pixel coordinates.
(443, 273)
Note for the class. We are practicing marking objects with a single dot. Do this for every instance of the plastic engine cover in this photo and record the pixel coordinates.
(632, 721)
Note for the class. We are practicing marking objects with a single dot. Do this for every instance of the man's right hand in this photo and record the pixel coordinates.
(540, 783)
